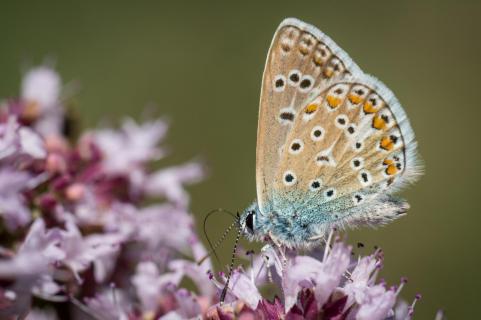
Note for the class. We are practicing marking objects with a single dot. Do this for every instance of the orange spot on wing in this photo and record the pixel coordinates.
(391, 169)
(369, 107)
(328, 72)
(387, 143)
(333, 102)
(311, 108)
(388, 162)
(354, 98)
(378, 123)
(318, 60)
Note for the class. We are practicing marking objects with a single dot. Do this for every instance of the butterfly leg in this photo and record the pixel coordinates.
(328, 244)
(316, 238)
(267, 262)
(281, 251)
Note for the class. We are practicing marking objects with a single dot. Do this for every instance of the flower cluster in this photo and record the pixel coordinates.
(324, 285)
(89, 229)
(74, 223)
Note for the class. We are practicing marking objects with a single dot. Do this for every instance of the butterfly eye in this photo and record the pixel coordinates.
(250, 221)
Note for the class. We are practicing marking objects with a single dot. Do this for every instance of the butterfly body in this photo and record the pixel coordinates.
(333, 143)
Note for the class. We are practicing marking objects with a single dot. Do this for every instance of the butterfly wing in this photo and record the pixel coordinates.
(351, 143)
(300, 58)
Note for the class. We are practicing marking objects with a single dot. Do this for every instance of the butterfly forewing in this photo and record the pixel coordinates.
(300, 58)
(350, 142)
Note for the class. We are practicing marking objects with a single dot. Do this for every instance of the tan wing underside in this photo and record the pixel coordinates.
(368, 133)
(294, 50)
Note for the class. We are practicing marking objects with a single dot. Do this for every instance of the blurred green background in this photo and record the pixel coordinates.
(200, 64)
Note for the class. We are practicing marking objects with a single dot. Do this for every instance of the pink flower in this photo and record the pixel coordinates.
(16, 140)
(80, 251)
(40, 92)
(169, 182)
(110, 304)
(42, 314)
(323, 276)
(42, 86)
(127, 150)
(13, 204)
(332, 288)
(150, 284)
(192, 270)
(36, 255)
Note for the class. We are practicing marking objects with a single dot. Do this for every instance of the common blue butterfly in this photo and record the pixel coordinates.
(333, 143)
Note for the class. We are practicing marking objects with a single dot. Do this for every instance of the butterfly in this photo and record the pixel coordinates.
(333, 143)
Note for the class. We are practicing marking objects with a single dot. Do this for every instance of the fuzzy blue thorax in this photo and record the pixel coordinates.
(287, 228)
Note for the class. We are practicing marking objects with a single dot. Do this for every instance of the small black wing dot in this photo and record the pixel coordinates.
(317, 133)
(289, 177)
(287, 116)
(351, 130)
(356, 163)
(360, 92)
(358, 198)
(330, 193)
(294, 77)
(305, 83)
(307, 41)
(358, 145)
(341, 121)
(364, 177)
(323, 158)
(315, 184)
(295, 146)
(279, 83)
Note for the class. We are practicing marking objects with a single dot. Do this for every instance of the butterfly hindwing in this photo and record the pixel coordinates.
(300, 58)
(349, 144)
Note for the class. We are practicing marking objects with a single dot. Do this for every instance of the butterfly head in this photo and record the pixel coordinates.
(249, 222)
